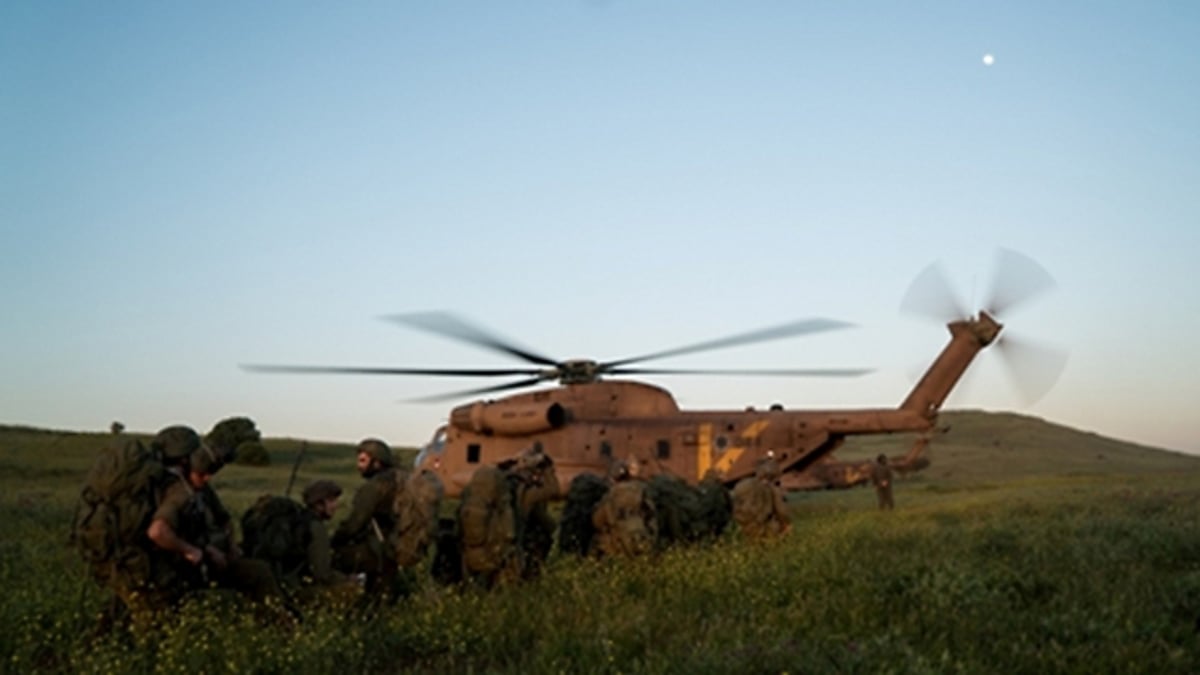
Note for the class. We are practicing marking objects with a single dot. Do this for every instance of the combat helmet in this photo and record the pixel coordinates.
(320, 490)
(175, 442)
(230, 434)
(206, 460)
(377, 450)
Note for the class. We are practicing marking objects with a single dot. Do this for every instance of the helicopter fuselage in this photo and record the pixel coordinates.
(585, 427)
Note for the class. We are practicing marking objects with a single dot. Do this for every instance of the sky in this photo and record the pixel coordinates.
(189, 187)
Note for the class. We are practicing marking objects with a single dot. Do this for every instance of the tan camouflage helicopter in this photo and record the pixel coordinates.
(588, 420)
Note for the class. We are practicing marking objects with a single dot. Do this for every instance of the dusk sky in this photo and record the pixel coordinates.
(188, 187)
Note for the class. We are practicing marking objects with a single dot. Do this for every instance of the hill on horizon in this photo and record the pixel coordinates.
(981, 445)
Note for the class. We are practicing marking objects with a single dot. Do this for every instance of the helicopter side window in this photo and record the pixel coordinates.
(473, 453)
(433, 447)
(664, 449)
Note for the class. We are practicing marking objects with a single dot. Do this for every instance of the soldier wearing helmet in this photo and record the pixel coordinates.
(322, 498)
(194, 528)
(363, 543)
(534, 483)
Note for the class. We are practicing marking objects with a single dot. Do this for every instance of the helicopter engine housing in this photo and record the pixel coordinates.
(508, 419)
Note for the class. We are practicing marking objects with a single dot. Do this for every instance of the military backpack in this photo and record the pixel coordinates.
(487, 522)
(575, 529)
(417, 504)
(753, 505)
(631, 519)
(278, 531)
(116, 504)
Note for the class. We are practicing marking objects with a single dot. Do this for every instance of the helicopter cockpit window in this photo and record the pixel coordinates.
(433, 447)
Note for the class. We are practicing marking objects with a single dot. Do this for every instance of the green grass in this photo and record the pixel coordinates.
(1043, 569)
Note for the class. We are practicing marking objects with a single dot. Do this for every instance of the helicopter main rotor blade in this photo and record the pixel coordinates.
(438, 398)
(801, 327)
(448, 325)
(801, 372)
(931, 296)
(354, 370)
(1017, 279)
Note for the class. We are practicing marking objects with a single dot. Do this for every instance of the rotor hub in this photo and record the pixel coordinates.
(578, 371)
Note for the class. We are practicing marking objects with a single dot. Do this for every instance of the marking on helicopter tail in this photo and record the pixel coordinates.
(703, 450)
(752, 432)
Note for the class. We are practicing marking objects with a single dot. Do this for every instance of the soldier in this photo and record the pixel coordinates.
(362, 542)
(191, 524)
(881, 478)
(758, 504)
(625, 519)
(322, 499)
(534, 483)
(152, 584)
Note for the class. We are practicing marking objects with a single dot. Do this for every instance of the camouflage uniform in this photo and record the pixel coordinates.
(319, 581)
(535, 483)
(198, 517)
(362, 543)
(881, 478)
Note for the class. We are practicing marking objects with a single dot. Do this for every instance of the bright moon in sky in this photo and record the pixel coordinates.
(988, 59)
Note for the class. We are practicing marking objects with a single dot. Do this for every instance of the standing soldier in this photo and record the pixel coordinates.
(362, 542)
(625, 519)
(881, 478)
(758, 504)
(535, 483)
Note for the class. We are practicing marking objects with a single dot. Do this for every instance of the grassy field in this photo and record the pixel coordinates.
(1026, 547)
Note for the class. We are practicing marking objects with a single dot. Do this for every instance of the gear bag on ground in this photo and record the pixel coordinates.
(278, 530)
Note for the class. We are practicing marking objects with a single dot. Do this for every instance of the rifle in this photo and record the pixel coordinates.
(295, 468)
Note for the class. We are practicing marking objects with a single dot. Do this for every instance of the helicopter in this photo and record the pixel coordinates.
(589, 421)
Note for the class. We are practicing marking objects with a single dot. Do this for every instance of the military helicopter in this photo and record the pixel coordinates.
(589, 421)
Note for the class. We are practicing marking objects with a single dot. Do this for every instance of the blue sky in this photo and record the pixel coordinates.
(190, 187)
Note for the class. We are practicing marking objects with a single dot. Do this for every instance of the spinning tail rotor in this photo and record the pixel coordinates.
(1034, 367)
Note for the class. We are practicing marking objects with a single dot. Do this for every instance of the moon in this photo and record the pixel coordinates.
(988, 59)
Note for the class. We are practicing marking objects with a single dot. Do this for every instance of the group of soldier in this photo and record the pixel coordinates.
(502, 530)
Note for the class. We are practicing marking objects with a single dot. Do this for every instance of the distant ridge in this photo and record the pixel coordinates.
(981, 445)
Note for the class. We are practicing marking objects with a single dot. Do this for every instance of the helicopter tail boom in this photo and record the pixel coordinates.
(967, 338)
